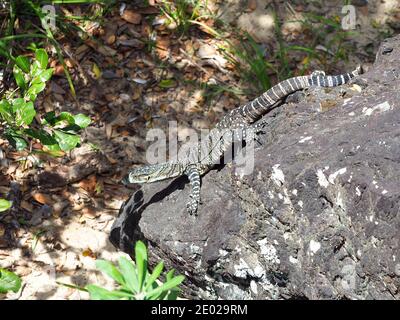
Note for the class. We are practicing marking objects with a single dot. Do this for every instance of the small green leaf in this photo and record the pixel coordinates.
(141, 262)
(66, 116)
(6, 111)
(35, 69)
(44, 137)
(49, 118)
(32, 46)
(9, 281)
(167, 83)
(173, 293)
(5, 205)
(99, 293)
(19, 77)
(82, 120)
(170, 274)
(43, 76)
(128, 271)
(24, 111)
(109, 269)
(42, 57)
(174, 282)
(72, 286)
(156, 273)
(4, 50)
(23, 63)
(34, 90)
(15, 139)
(66, 141)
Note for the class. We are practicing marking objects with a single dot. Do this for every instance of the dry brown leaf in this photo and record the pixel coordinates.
(2, 230)
(111, 159)
(120, 72)
(137, 93)
(89, 184)
(110, 97)
(162, 47)
(251, 5)
(147, 115)
(125, 133)
(81, 49)
(164, 107)
(69, 63)
(42, 198)
(58, 70)
(109, 130)
(37, 146)
(104, 50)
(132, 17)
(110, 39)
(90, 213)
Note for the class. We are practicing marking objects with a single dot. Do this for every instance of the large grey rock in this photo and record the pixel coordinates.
(318, 217)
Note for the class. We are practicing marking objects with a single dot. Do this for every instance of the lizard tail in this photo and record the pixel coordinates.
(260, 105)
(321, 80)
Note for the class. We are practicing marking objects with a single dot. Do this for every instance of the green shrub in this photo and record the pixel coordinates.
(57, 133)
(134, 280)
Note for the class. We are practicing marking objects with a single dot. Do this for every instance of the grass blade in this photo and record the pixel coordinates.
(141, 262)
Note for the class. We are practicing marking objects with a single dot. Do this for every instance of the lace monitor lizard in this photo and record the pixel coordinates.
(201, 157)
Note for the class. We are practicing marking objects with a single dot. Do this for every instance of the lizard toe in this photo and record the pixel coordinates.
(192, 206)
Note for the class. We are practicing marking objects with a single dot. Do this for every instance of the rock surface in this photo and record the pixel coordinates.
(317, 218)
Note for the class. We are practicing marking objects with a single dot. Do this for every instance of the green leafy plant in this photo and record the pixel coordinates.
(5, 205)
(9, 281)
(184, 13)
(33, 21)
(134, 280)
(250, 60)
(327, 31)
(57, 133)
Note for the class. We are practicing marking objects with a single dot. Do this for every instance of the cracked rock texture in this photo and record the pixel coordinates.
(318, 217)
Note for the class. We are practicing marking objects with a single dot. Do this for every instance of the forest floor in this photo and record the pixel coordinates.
(138, 71)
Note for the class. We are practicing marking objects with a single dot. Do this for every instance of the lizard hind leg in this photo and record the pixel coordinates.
(193, 174)
(256, 130)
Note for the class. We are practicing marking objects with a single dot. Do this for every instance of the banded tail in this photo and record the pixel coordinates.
(260, 105)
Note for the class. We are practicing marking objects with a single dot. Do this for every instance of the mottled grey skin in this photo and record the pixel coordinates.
(237, 124)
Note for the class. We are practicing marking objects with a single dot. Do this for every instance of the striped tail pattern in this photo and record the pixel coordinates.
(254, 109)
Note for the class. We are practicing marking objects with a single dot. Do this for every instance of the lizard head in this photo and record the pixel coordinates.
(153, 173)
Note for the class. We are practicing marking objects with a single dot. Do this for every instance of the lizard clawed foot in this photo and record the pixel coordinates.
(259, 128)
(193, 174)
(192, 206)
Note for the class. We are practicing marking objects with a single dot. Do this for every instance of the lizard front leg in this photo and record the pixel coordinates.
(193, 174)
